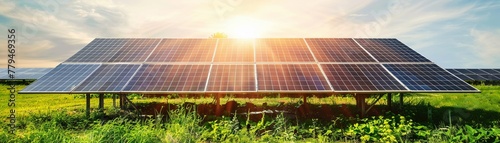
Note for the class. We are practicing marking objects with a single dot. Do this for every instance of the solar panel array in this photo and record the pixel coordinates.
(24, 73)
(263, 65)
(477, 74)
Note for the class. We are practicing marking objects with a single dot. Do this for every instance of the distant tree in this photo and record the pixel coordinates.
(218, 35)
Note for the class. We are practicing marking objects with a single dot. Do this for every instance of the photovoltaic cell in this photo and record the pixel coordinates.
(360, 77)
(156, 77)
(108, 77)
(232, 78)
(184, 50)
(337, 50)
(135, 50)
(282, 50)
(291, 77)
(99, 50)
(63, 78)
(235, 50)
(390, 50)
(427, 77)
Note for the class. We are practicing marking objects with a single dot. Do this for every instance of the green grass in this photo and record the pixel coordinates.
(475, 117)
(488, 99)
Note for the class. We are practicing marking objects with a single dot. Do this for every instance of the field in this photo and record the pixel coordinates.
(426, 117)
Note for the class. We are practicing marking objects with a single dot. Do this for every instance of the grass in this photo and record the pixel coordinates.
(60, 118)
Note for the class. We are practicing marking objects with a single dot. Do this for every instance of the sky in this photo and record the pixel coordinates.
(451, 33)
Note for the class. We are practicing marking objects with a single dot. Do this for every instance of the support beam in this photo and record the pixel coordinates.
(101, 102)
(389, 101)
(87, 109)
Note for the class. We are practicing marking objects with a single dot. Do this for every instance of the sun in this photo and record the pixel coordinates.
(245, 27)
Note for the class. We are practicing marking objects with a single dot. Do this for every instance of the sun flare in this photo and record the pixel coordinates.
(244, 27)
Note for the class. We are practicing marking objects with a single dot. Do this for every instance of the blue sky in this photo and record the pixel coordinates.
(452, 33)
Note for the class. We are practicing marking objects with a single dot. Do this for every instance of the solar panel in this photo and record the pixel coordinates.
(235, 50)
(108, 77)
(184, 50)
(427, 78)
(476, 74)
(293, 65)
(464, 77)
(25, 73)
(361, 77)
(390, 50)
(178, 78)
(99, 50)
(135, 50)
(291, 77)
(63, 78)
(282, 50)
(337, 50)
(477, 77)
(232, 78)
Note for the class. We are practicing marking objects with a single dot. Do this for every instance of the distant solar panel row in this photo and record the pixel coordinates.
(24, 73)
(477, 74)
